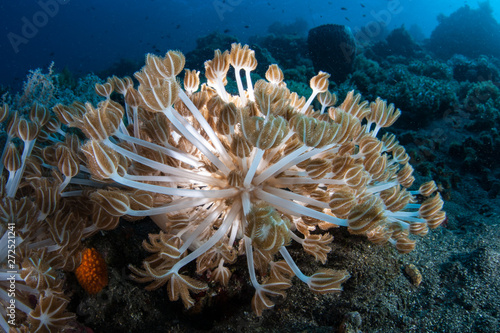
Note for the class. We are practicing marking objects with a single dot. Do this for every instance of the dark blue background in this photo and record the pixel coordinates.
(91, 35)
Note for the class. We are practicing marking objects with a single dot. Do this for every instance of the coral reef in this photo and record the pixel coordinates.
(288, 50)
(205, 47)
(481, 69)
(222, 175)
(287, 45)
(398, 42)
(421, 88)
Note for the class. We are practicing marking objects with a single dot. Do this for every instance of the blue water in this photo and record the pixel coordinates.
(91, 35)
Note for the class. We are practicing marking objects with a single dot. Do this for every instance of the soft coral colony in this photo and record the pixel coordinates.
(222, 175)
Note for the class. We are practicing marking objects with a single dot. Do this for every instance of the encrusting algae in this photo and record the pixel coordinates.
(222, 175)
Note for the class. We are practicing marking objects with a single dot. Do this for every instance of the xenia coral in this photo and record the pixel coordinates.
(225, 175)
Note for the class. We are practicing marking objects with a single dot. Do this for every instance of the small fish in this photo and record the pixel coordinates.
(177, 26)
(247, 26)
(362, 5)
(226, 31)
(343, 8)
(347, 19)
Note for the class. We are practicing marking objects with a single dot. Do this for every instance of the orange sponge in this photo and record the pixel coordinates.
(92, 274)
